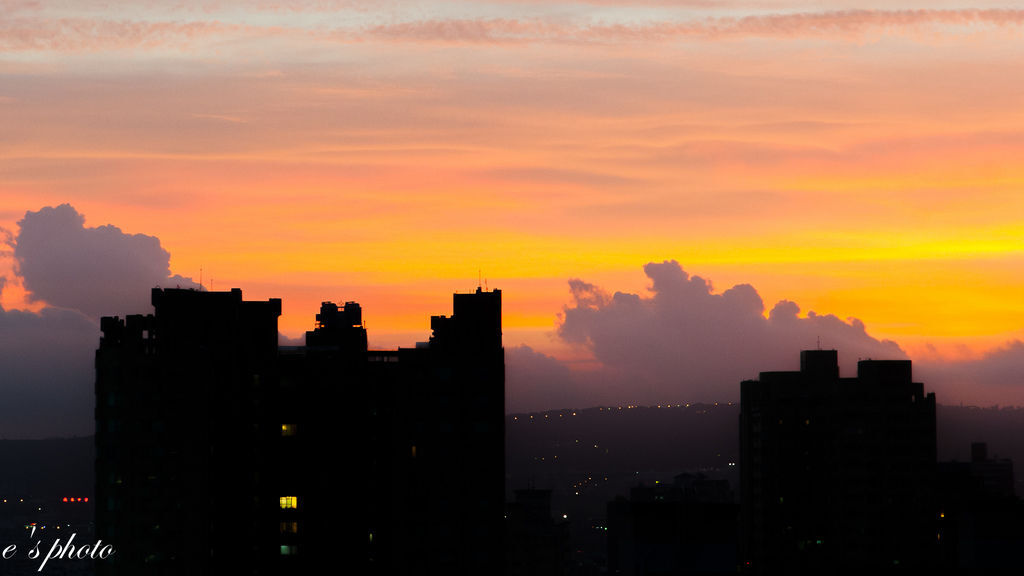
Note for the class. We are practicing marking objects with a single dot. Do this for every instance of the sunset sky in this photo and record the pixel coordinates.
(860, 158)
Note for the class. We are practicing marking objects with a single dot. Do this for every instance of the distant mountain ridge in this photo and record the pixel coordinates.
(671, 439)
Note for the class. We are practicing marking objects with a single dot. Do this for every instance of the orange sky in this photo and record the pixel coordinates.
(861, 159)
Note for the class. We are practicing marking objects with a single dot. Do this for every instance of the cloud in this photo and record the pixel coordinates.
(995, 378)
(285, 340)
(536, 381)
(47, 357)
(98, 271)
(83, 34)
(686, 343)
(470, 31)
(214, 28)
(46, 363)
(840, 24)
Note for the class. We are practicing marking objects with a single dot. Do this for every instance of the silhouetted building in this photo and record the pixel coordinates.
(219, 454)
(688, 527)
(994, 474)
(980, 520)
(837, 474)
(435, 433)
(536, 544)
(182, 450)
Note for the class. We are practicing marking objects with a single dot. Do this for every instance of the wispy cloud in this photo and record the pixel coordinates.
(845, 24)
(82, 34)
(222, 118)
(86, 35)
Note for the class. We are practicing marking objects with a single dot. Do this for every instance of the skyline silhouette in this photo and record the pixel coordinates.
(661, 520)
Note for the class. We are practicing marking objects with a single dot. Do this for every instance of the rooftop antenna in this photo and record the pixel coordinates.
(479, 275)
(200, 277)
(819, 342)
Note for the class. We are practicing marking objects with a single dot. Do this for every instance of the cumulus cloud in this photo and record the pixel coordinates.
(98, 271)
(685, 342)
(80, 273)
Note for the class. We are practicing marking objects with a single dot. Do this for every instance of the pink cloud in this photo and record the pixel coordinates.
(88, 35)
(843, 24)
(70, 34)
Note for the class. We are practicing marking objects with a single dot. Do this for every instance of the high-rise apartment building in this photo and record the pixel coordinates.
(219, 453)
(837, 474)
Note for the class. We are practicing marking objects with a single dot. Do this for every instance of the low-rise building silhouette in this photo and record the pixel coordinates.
(687, 527)
(536, 543)
(980, 519)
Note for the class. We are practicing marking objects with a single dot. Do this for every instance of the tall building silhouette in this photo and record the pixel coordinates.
(837, 474)
(219, 453)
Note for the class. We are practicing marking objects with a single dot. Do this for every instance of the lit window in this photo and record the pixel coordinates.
(289, 527)
(288, 429)
(289, 549)
(289, 501)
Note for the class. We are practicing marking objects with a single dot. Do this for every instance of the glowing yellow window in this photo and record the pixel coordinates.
(289, 429)
(289, 527)
(289, 501)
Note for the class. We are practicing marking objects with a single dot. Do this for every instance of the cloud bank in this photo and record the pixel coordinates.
(687, 343)
(535, 381)
(46, 373)
(997, 377)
